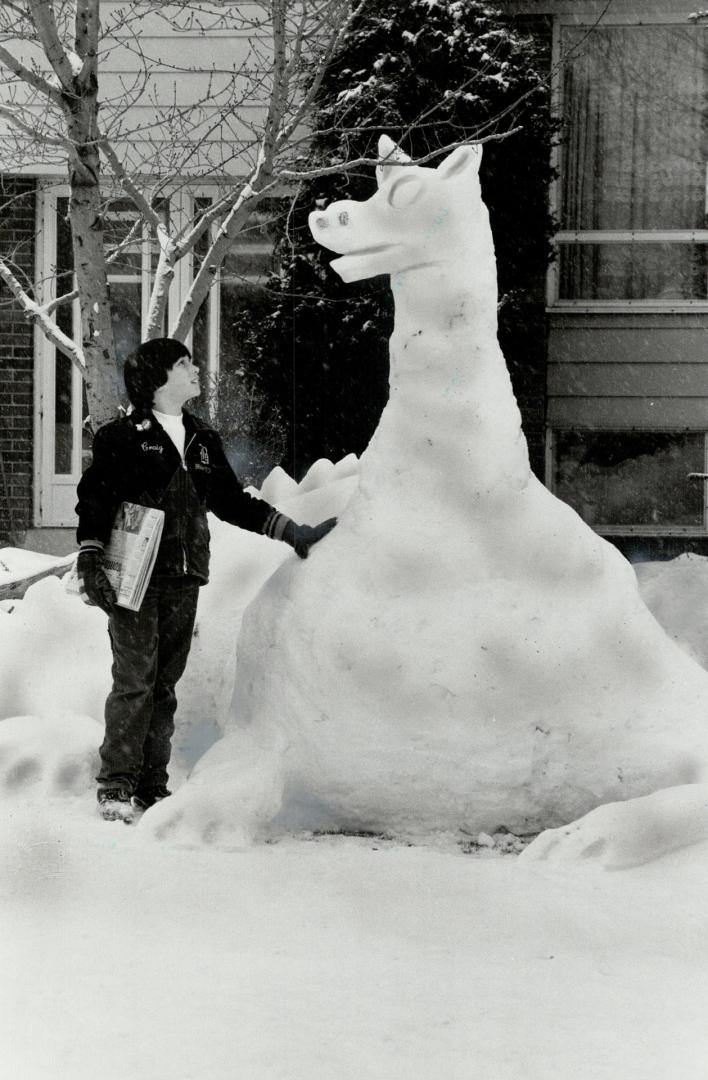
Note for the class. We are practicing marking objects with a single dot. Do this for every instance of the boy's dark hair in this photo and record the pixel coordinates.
(147, 368)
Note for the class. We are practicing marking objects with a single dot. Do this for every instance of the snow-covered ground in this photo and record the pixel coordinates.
(341, 958)
(312, 957)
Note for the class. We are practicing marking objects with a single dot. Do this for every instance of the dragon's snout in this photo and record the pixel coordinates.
(322, 221)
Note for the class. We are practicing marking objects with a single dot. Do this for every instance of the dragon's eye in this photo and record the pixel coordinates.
(404, 191)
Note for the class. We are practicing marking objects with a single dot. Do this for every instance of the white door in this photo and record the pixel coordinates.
(58, 385)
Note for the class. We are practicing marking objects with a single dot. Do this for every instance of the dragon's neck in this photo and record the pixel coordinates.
(451, 406)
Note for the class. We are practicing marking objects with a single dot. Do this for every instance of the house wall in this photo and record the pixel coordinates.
(165, 83)
(17, 229)
(610, 365)
(644, 371)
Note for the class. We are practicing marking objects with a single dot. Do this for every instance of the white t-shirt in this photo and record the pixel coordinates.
(174, 426)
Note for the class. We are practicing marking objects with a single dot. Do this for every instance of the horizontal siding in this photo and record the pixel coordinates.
(226, 52)
(164, 88)
(165, 55)
(210, 63)
(146, 111)
(628, 380)
(611, 414)
(588, 11)
(649, 344)
(190, 86)
(628, 370)
(201, 123)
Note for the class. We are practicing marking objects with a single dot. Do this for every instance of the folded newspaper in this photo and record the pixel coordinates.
(129, 555)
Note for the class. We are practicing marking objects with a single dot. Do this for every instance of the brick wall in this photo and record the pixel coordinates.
(17, 231)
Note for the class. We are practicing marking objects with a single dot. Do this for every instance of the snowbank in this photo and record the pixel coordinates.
(19, 569)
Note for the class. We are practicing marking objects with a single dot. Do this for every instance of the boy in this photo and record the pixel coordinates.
(158, 455)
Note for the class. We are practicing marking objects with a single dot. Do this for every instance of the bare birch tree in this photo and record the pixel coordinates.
(51, 57)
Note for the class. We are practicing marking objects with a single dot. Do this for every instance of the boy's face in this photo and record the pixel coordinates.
(182, 381)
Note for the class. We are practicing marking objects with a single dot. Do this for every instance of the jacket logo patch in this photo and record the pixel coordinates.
(151, 446)
(203, 455)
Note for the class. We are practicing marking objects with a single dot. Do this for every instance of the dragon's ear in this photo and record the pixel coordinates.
(460, 160)
(390, 154)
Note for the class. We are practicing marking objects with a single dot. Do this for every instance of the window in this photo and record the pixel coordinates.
(632, 194)
(631, 480)
(242, 278)
(124, 277)
(249, 424)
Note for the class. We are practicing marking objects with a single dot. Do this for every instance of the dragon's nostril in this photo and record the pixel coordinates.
(343, 218)
(321, 222)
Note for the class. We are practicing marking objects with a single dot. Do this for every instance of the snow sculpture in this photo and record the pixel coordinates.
(462, 652)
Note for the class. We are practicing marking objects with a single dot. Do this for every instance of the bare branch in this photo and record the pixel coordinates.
(33, 132)
(35, 313)
(45, 24)
(60, 301)
(279, 91)
(17, 8)
(28, 76)
(213, 213)
(128, 185)
(133, 237)
(299, 38)
(87, 28)
(355, 163)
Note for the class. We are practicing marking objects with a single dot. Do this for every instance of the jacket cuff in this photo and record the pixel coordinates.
(275, 525)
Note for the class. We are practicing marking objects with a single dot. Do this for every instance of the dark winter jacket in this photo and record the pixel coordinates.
(135, 460)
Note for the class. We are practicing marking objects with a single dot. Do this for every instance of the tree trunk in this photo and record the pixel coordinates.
(103, 383)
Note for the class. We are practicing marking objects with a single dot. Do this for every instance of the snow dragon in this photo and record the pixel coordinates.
(462, 652)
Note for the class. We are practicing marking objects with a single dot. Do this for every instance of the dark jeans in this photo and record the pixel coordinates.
(150, 650)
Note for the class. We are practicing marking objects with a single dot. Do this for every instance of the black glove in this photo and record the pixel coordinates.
(94, 587)
(302, 537)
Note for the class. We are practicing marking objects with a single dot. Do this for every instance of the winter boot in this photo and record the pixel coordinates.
(114, 804)
(144, 798)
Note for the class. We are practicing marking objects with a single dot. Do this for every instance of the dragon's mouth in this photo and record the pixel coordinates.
(360, 252)
(365, 262)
